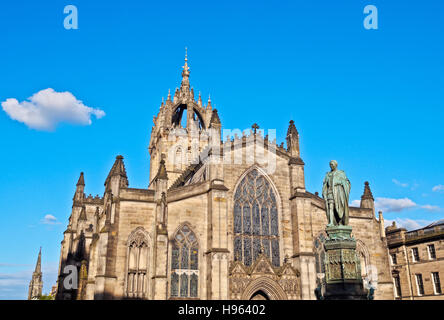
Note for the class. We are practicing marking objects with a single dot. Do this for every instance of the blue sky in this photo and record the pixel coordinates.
(371, 99)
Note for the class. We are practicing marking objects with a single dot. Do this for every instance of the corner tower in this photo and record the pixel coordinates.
(181, 129)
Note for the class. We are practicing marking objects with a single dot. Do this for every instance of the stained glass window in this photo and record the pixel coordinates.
(255, 220)
(183, 285)
(193, 285)
(184, 264)
(174, 284)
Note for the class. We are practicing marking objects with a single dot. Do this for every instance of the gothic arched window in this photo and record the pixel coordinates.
(255, 220)
(184, 264)
(137, 264)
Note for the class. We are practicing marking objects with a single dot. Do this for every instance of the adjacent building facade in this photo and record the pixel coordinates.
(417, 261)
(218, 220)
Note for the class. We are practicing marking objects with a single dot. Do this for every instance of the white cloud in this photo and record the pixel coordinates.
(398, 183)
(355, 203)
(393, 205)
(438, 188)
(430, 207)
(47, 108)
(49, 219)
(398, 205)
(409, 224)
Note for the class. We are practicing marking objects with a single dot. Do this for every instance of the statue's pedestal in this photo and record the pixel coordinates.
(342, 266)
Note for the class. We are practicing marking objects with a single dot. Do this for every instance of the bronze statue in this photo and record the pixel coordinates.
(336, 191)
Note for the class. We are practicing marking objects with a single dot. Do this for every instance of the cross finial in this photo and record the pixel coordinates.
(186, 54)
(255, 127)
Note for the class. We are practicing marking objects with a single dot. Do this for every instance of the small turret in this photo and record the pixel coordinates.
(367, 200)
(160, 191)
(214, 119)
(80, 188)
(117, 177)
(293, 140)
(295, 162)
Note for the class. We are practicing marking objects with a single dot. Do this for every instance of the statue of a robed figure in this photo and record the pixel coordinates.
(342, 278)
(336, 191)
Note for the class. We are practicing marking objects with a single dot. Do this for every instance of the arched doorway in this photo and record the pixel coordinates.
(259, 295)
(266, 287)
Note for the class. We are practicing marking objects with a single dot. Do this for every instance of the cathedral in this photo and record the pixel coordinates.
(220, 219)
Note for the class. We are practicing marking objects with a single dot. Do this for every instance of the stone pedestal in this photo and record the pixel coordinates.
(342, 266)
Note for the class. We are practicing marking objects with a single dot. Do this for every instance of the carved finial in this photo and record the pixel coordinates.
(209, 102)
(367, 192)
(185, 66)
(169, 95)
(199, 100)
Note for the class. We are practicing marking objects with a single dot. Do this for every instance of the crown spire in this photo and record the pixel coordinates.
(185, 85)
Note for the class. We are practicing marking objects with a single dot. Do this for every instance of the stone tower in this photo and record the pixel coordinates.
(36, 284)
(181, 130)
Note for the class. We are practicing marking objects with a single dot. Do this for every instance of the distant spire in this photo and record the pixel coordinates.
(38, 265)
(36, 283)
(81, 181)
(367, 192)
